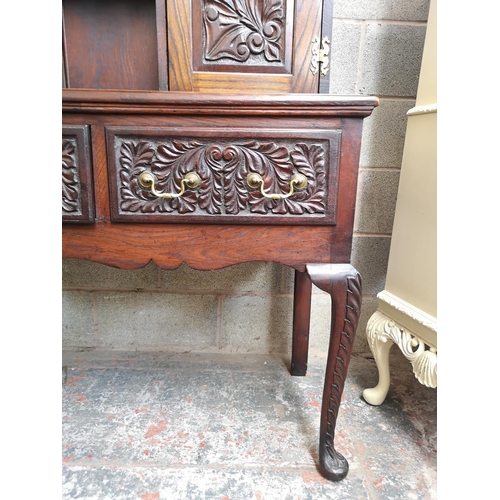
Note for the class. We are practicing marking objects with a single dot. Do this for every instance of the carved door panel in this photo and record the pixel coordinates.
(253, 46)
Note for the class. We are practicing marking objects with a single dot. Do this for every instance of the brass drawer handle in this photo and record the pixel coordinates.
(191, 180)
(298, 181)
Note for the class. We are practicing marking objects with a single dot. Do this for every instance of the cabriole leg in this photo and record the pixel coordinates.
(343, 283)
(380, 346)
(382, 333)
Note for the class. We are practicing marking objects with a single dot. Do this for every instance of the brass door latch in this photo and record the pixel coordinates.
(320, 55)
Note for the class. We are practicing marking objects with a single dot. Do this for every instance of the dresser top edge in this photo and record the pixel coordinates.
(141, 102)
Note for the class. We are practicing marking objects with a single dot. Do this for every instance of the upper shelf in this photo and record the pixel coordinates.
(205, 46)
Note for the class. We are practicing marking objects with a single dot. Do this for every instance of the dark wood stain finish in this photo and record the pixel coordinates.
(223, 158)
(343, 283)
(77, 188)
(301, 321)
(256, 111)
(112, 44)
(173, 133)
(228, 36)
(257, 47)
(285, 115)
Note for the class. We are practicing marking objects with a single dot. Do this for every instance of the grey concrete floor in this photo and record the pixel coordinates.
(150, 426)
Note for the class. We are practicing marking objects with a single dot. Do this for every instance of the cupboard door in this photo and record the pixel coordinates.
(260, 46)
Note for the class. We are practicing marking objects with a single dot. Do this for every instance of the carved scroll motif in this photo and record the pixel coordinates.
(382, 329)
(240, 30)
(71, 189)
(223, 169)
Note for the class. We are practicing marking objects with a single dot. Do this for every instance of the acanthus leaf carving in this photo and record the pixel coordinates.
(238, 29)
(382, 329)
(273, 163)
(210, 171)
(310, 161)
(70, 181)
(223, 168)
(353, 306)
(236, 191)
(173, 161)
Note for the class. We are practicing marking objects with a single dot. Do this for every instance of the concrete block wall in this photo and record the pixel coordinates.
(376, 49)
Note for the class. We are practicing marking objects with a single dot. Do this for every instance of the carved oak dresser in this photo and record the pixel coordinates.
(216, 179)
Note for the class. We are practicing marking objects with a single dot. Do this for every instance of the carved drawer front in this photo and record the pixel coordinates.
(77, 192)
(236, 176)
